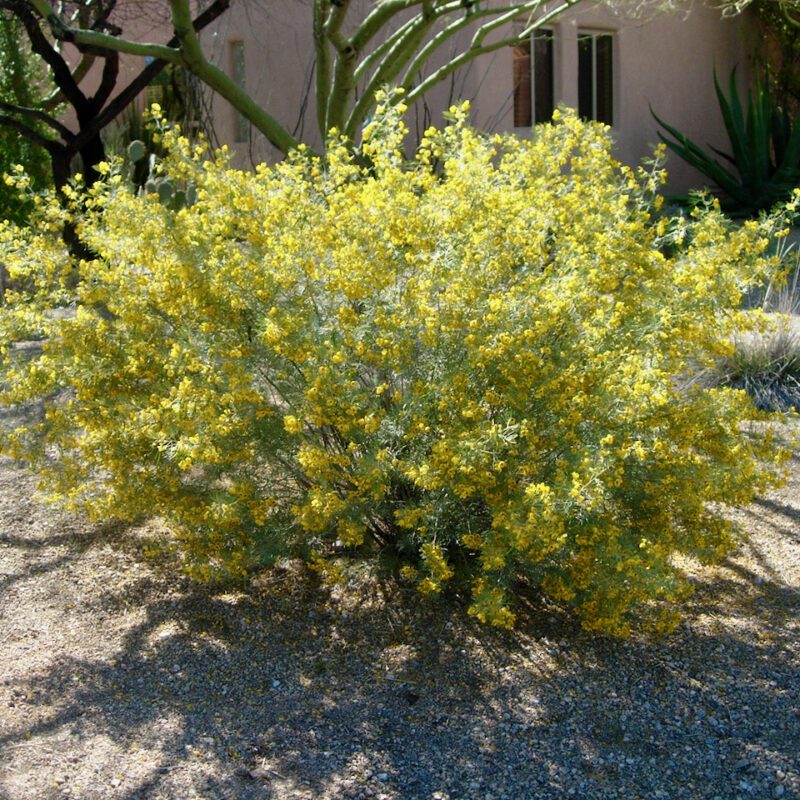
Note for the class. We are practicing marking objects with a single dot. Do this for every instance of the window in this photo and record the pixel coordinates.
(237, 70)
(595, 76)
(533, 80)
(521, 65)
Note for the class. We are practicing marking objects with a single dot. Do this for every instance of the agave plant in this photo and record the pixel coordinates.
(763, 166)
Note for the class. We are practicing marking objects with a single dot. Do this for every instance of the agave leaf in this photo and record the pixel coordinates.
(722, 154)
(781, 134)
(782, 185)
(786, 175)
(697, 157)
(759, 123)
(733, 117)
(790, 159)
(764, 148)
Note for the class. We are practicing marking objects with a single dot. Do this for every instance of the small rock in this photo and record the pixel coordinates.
(264, 774)
(276, 684)
(382, 777)
(778, 791)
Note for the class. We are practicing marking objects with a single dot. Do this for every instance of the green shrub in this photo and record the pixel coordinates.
(471, 360)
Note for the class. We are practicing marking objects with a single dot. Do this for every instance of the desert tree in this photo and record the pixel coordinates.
(87, 91)
(358, 49)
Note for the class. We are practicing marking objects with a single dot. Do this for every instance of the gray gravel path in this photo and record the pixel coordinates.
(120, 680)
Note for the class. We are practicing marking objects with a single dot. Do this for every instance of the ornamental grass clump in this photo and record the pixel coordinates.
(477, 361)
(766, 366)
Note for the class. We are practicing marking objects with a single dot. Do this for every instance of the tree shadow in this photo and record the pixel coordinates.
(789, 515)
(422, 700)
(77, 542)
(368, 692)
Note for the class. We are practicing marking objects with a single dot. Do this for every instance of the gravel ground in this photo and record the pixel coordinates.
(119, 679)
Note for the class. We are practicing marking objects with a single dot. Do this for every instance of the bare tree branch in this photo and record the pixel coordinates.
(477, 49)
(380, 51)
(393, 43)
(343, 84)
(35, 113)
(448, 32)
(323, 59)
(95, 40)
(108, 82)
(125, 97)
(29, 133)
(62, 75)
(391, 65)
(191, 55)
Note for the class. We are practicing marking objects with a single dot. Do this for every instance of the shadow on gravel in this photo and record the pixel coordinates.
(293, 692)
(788, 517)
(78, 544)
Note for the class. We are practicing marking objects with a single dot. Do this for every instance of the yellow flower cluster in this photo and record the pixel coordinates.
(481, 358)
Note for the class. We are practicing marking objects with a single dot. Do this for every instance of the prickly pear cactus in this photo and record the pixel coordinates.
(145, 177)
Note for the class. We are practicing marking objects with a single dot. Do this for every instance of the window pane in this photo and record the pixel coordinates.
(603, 79)
(586, 75)
(543, 75)
(521, 64)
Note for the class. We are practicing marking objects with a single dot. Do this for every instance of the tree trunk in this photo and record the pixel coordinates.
(3, 282)
(60, 161)
(92, 153)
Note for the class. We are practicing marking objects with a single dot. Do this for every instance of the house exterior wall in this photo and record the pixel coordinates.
(665, 62)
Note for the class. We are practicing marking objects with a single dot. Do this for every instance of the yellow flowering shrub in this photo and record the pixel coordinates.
(480, 359)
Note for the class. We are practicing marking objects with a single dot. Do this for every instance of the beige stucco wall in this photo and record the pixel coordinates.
(279, 59)
(665, 62)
